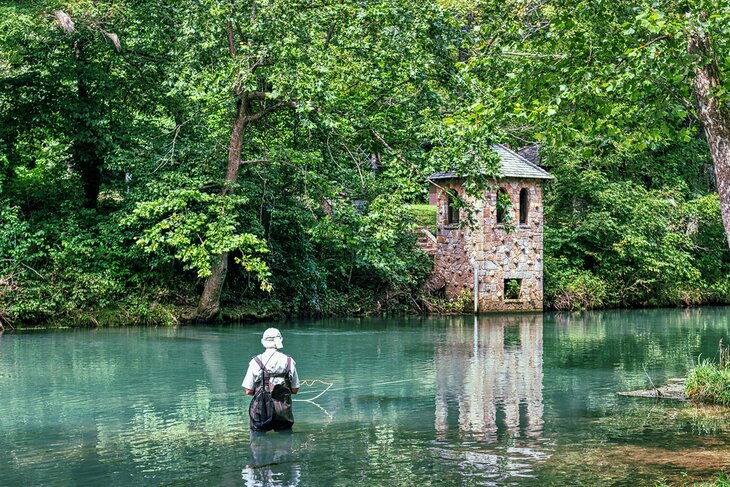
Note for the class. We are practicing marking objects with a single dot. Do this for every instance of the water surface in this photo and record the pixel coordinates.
(513, 399)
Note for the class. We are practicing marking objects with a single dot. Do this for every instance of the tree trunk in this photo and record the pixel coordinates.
(210, 300)
(209, 305)
(713, 116)
(86, 150)
(234, 149)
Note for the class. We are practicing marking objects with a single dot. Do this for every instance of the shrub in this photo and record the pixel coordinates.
(569, 289)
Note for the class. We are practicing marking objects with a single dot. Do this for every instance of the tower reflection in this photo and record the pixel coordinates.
(489, 377)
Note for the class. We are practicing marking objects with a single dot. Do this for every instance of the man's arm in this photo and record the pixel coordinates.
(249, 380)
(294, 376)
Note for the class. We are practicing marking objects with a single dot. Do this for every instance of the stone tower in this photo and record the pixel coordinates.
(505, 250)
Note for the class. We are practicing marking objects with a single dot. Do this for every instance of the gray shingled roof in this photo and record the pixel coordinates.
(513, 166)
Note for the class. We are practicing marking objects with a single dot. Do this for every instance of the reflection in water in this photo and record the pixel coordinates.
(270, 463)
(489, 398)
(490, 378)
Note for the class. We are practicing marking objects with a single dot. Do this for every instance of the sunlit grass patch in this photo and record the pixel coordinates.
(709, 382)
(425, 216)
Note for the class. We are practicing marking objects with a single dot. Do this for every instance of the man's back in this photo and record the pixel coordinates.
(275, 363)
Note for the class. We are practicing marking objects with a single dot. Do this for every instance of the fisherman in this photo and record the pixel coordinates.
(283, 380)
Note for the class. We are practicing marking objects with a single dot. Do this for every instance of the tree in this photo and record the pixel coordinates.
(72, 85)
(351, 79)
(606, 75)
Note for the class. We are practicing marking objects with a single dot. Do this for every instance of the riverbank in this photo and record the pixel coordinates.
(155, 314)
(165, 314)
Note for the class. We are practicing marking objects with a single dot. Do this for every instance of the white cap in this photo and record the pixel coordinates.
(272, 339)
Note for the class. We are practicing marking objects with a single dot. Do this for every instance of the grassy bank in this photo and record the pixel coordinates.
(709, 382)
(424, 216)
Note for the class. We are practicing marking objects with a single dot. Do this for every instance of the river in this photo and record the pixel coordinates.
(508, 399)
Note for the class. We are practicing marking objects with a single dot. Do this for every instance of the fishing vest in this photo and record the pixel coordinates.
(282, 416)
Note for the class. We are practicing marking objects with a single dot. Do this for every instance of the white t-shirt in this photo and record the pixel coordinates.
(275, 362)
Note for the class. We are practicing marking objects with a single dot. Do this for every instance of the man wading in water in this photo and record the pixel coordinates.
(277, 373)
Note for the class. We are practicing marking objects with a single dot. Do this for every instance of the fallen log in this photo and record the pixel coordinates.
(673, 390)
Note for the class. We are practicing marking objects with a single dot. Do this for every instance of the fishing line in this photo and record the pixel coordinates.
(312, 382)
(353, 386)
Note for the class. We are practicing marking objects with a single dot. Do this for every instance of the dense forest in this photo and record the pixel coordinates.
(189, 160)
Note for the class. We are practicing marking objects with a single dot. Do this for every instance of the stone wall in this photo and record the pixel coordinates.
(497, 254)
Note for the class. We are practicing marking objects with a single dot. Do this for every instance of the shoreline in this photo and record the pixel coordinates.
(170, 316)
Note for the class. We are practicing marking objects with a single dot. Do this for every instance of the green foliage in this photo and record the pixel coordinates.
(600, 75)
(464, 303)
(572, 289)
(115, 137)
(195, 226)
(70, 266)
(372, 248)
(612, 241)
(504, 210)
(512, 289)
(139, 131)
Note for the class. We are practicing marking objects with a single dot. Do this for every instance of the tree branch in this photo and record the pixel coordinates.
(556, 57)
(403, 159)
(256, 95)
(26, 266)
(658, 39)
(231, 40)
(261, 114)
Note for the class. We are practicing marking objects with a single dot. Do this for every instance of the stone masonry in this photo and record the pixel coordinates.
(497, 253)
(501, 257)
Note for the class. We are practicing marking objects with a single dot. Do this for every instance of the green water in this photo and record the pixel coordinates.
(505, 399)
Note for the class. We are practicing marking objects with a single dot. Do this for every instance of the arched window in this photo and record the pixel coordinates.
(452, 212)
(524, 205)
(501, 194)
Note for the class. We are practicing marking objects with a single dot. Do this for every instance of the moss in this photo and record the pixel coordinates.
(253, 311)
